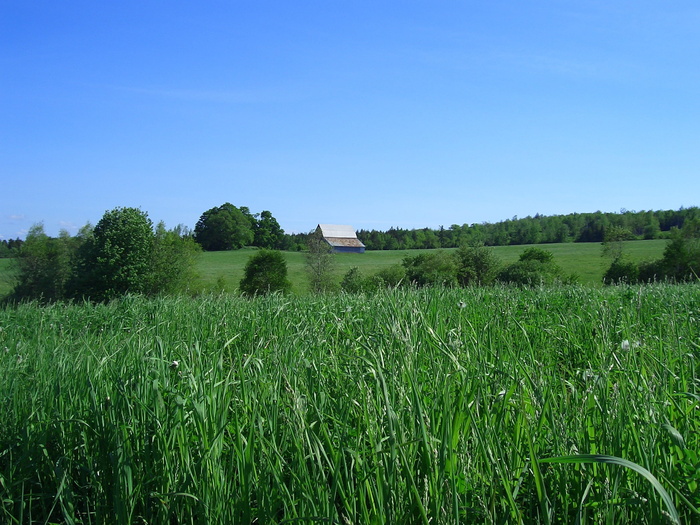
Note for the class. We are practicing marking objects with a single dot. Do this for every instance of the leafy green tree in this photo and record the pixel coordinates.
(10, 247)
(476, 264)
(267, 232)
(613, 241)
(224, 228)
(265, 272)
(122, 254)
(681, 259)
(320, 262)
(173, 260)
(43, 266)
(117, 258)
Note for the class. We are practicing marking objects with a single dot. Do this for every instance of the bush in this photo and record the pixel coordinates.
(431, 269)
(534, 267)
(265, 272)
(476, 265)
(622, 271)
(390, 277)
(651, 271)
(353, 282)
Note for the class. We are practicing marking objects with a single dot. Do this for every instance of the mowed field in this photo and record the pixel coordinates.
(582, 259)
(570, 404)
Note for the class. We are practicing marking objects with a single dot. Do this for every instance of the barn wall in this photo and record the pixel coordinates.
(348, 249)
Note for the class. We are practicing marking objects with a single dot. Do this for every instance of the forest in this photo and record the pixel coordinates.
(539, 229)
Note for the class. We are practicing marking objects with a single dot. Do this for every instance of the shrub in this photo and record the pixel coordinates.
(651, 271)
(353, 282)
(534, 267)
(265, 272)
(391, 276)
(476, 264)
(431, 269)
(622, 271)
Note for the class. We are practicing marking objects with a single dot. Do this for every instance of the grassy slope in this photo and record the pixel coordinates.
(583, 259)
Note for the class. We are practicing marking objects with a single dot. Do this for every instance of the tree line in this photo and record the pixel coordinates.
(125, 253)
(228, 227)
(540, 229)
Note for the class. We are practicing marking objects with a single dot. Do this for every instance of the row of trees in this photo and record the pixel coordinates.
(228, 227)
(576, 227)
(122, 254)
(10, 247)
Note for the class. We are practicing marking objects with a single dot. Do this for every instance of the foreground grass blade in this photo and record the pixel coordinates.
(597, 458)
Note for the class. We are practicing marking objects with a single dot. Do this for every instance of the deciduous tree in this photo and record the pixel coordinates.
(319, 263)
(224, 228)
(267, 232)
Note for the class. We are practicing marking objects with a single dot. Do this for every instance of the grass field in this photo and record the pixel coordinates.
(409, 406)
(582, 259)
(224, 270)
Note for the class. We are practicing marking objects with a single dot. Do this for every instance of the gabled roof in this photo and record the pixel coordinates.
(340, 235)
(338, 230)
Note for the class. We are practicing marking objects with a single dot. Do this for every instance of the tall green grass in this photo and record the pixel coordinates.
(412, 406)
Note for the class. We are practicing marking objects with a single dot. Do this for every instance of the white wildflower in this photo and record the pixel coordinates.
(174, 364)
(625, 345)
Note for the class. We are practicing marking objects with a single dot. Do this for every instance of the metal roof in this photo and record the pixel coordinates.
(344, 242)
(341, 231)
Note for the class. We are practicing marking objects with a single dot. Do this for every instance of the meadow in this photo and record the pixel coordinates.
(583, 259)
(409, 406)
(222, 271)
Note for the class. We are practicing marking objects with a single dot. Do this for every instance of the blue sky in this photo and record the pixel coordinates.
(375, 114)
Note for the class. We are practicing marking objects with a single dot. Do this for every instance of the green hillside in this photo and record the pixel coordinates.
(583, 259)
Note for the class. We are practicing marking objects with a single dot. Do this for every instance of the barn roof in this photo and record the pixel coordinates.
(340, 235)
(338, 230)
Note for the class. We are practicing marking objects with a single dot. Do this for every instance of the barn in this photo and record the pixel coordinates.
(342, 238)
